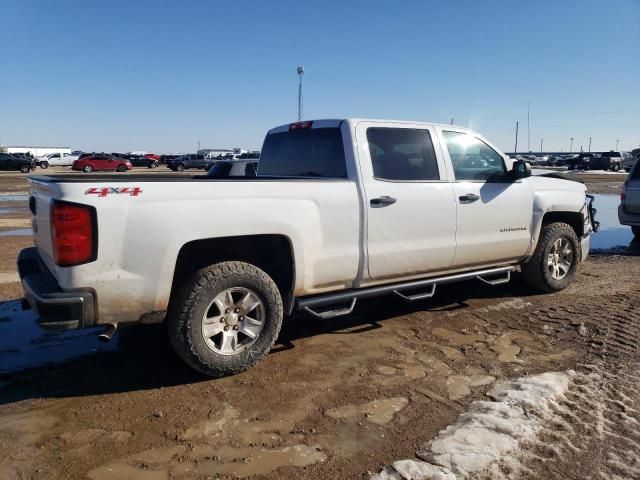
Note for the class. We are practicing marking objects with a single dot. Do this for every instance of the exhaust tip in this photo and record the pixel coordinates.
(108, 332)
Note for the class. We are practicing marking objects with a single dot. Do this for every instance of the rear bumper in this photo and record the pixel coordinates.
(57, 309)
(627, 218)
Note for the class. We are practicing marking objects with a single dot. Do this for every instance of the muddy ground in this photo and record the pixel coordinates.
(336, 399)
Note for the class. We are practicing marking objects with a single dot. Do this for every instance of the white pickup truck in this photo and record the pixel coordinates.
(341, 210)
(56, 160)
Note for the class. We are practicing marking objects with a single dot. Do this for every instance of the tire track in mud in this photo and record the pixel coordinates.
(596, 431)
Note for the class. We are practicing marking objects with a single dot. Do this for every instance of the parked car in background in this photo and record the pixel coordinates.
(152, 156)
(188, 161)
(56, 160)
(580, 161)
(165, 158)
(233, 168)
(137, 160)
(629, 209)
(101, 162)
(249, 156)
(11, 162)
(628, 160)
(606, 161)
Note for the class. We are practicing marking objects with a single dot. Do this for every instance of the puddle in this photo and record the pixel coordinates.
(611, 234)
(23, 344)
(9, 210)
(17, 232)
(379, 412)
(459, 386)
(14, 198)
(206, 461)
(457, 339)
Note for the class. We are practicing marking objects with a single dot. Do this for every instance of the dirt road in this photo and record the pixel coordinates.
(342, 398)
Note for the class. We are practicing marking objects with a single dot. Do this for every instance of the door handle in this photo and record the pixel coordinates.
(382, 201)
(469, 198)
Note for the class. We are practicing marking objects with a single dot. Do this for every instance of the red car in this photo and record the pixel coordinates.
(101, 162)
(152, 156)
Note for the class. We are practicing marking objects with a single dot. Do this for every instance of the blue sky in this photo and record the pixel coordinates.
(161, 75)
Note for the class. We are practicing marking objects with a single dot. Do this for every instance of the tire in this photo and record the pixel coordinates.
(615, 167)
(195, 300)
(179, 168)
(44, 165)
(537, 272)
(87, 169)
(153, 165)
(25, 168)
(636, 232)
(121, 168)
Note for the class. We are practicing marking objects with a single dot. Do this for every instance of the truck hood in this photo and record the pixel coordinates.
(556, 181)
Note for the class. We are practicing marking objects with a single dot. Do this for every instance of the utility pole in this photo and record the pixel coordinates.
(617, 142)
(571, 147)
(300, 74)
(528, 130)
(198, 150)
(451, 120)
(541, 140)
(515, 150)
(589, 143)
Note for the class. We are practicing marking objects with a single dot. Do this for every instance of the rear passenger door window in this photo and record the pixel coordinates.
(472, 159)
(402, 154)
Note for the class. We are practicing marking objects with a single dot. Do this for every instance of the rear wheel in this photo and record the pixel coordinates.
(615, 167)
(25, 168)
(636, 231)
(121, 168)
(179, 167)
(225, 318)
(87, 169)
(153, 165)
(555, 260)
(44, 164)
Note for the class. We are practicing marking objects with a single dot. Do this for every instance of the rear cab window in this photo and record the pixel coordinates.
(304, 152)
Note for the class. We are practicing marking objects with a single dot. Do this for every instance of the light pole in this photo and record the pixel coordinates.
(541, 140)
(300, 74)
(617, 142)
(528, 130)
(571, 147)
(515, 150)
(589, 143)
(198, 150)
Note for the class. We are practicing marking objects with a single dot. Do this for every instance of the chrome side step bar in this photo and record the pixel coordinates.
(311, 304)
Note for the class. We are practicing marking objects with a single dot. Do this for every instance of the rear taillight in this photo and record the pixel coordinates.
(73, 233)
(623, 192)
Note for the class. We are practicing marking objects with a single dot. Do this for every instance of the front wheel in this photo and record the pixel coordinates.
(44, 165)
(636, 231)
(25, 168)
(121, 168)
(555, 260)
(225, 318)
(179, 167)
(153, 165)
(87, 169)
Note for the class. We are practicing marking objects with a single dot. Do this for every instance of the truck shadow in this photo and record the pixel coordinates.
(144, 358)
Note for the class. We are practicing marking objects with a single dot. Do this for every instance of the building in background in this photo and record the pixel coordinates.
(37, 151)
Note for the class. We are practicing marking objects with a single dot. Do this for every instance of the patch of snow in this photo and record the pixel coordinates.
(488, 431)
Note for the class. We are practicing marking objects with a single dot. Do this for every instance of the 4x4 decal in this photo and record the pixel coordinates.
(104, 191)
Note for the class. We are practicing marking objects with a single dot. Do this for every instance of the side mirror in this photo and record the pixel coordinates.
(521, 169)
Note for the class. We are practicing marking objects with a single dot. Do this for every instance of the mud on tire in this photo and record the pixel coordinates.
(193, 300)
(537, 273)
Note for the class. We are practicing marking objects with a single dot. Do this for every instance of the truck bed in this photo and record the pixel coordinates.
(168, 177)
